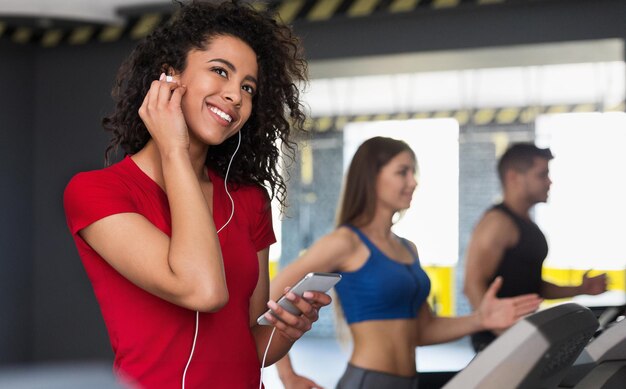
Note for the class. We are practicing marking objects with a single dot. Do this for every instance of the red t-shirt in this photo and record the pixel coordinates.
(152, 338)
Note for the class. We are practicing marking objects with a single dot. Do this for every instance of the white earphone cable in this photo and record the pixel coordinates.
(232, 212)
(265, 355)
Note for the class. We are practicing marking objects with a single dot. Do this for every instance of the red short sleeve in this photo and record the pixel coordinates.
(262, 230)
(91, 196)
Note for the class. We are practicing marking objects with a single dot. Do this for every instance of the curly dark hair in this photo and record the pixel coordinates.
(276, 107)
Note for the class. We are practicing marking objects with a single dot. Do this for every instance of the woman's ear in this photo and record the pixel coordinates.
(172, 74)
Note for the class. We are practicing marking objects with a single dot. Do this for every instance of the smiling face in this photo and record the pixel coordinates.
(396, 182)
(221, 82)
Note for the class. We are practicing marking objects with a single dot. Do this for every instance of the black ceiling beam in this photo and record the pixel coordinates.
(503, 24)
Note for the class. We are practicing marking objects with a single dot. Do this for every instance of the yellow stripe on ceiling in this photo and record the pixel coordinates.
(445, 3)
(361, 118)
(341, 122)
(403, 5)
(145, 25)
(442, 115)
(362, 7)
(529, 114)
(462, 117)
(557, 109)
(482, 2)
(111, 33)
(507, 115)
(323, 10)
(620, 107)
(585, 108)
(81, 35)
(324, 124)
(289, 9)
(382, 116)
(51, 38)
(400, 116)
(22, 35)
(484, 116)
(421, 115)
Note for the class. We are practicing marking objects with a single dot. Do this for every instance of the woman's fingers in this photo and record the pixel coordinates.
(307, 309)
(317, 298)
(168, 93)
(493, 288)
(526, 304)
(177, 96)
(293, 326)
(162, 114)
(161, 94)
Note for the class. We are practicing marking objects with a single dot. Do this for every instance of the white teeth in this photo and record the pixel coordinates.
(221, 114)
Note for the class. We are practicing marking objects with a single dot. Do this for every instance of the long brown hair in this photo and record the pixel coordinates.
(357, 203)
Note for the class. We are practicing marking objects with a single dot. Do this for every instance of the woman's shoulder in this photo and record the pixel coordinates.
(331, 251)
(107, 179)
(343, 239)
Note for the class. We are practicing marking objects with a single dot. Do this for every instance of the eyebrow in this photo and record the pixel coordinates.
(233, 68)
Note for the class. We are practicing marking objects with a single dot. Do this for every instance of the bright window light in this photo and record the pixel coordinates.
(585, 214)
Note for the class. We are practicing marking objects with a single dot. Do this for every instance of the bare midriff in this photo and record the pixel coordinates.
(385, 345)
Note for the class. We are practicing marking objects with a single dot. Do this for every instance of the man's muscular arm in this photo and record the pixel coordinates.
(492, 236)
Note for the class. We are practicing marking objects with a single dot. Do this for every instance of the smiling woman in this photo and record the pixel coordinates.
(218, 92)
(175, 238)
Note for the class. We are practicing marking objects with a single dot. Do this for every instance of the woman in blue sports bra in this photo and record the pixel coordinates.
(383, 289)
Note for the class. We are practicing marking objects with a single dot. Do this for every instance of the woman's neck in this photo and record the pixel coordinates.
(149, 160)
(379, 226)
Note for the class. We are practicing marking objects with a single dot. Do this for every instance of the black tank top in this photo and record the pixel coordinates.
(521, 264)
(520, 267)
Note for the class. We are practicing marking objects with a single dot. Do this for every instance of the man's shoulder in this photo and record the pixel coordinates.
(499, 213)
(497, 220)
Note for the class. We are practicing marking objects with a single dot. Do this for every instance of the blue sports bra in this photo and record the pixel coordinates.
(382, 288)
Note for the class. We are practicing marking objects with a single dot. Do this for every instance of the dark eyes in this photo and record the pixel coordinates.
(224, 73)
(221, 71)
(248, 89)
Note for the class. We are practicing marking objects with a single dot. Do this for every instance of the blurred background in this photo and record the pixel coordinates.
(457, 79)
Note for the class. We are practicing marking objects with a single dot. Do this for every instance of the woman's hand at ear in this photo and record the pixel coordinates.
(163, 116)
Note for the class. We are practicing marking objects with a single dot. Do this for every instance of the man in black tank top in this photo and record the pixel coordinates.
(507, 243)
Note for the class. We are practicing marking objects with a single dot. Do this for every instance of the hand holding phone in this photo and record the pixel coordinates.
(314, 282)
